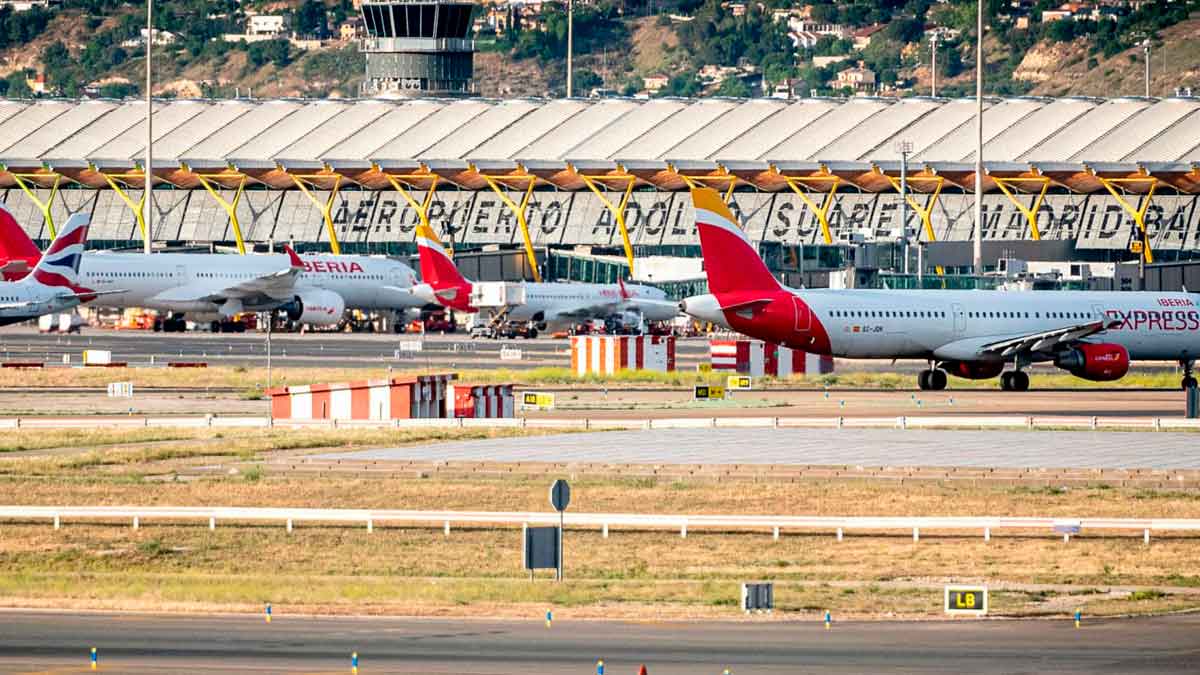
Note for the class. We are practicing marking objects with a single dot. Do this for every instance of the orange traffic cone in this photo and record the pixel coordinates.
(642, 670)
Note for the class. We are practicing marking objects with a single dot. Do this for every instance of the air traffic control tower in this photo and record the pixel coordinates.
(418, 48)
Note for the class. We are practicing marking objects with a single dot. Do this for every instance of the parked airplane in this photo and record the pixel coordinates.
(544, 303)
(311, 289)
(969, 334)
(54, 284)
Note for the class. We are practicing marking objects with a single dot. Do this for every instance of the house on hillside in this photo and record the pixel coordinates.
(161, 38)
(654, 83)
(266, 25)
(859, 79)
(862, 36)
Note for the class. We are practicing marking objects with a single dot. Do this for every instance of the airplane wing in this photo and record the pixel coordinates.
(273, 286)
(1042, 342)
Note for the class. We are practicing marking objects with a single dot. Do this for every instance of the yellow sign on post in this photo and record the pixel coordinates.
(709, 392)
(739, 382)
(535, 400)
(966, 600)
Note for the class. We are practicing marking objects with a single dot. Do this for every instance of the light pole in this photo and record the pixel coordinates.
(570, 45)
(933, 64)
(1146, 51)
(977, 250)
(904, 147)
(148, 197)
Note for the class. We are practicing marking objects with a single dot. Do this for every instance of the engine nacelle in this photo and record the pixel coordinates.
(1097, 362)
(316, 307)
(974, 370)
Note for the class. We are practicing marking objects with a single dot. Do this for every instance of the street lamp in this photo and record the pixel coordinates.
(977, 249)
(933, 38)
(1146, 51)
(904, 147)
(570, 45)
(148, 197)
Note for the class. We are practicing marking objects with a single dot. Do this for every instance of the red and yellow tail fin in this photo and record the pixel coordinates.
(730, 259)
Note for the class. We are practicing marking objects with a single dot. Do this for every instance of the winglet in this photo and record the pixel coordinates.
(297, 263)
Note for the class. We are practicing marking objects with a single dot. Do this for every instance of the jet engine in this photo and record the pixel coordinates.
(973, 370)
(316, 307)
(1102, 362)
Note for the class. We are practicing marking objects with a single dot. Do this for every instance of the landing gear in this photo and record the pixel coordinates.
(1189, 380)
(1014, 380)
(933, 379)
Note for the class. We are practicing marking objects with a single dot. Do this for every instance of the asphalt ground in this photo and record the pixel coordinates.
(821, 447)
(57, 642)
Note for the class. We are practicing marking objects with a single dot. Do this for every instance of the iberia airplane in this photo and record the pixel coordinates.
(970, 334)
(545, 303)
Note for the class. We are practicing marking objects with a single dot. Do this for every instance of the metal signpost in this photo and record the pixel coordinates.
(560, 498)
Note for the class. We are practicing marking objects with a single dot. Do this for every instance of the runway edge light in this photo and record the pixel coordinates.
(828, 619)
(600, 667)
(268, 612)
(1078, 617)
(549, 618)
(354, 663)
(94, 659)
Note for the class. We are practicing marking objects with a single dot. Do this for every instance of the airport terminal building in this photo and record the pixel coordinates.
(1067, 178)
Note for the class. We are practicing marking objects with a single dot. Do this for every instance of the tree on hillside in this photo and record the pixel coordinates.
(312, 20)
(734, 87)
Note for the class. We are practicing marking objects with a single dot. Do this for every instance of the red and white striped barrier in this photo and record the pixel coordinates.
(757, 358)
(423, 396)
(480, 401)
(607, 354)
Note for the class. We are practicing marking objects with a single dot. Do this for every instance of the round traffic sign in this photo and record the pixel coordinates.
(560, 495)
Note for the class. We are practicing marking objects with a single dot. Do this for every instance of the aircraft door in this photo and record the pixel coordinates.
(960, 318)
(180, 274)
(803, 315)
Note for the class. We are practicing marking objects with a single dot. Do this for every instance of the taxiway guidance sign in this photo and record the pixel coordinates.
(966, 600)
(534, 400)
(739, 382)
(709, 392)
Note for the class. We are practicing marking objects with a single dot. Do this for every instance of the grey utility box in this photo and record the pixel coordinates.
(758, 597)
(541, 548)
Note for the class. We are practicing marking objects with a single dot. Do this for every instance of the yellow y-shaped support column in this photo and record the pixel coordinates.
(326, 208)
(422, 207)
(926, 212)
(822, 211)
(136, 207)
(43, 206)
(617, 211)
(1138, 215)
(230, 208)
(519, 212)
(1030, 214)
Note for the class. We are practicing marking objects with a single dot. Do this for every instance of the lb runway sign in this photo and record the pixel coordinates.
(966, 600)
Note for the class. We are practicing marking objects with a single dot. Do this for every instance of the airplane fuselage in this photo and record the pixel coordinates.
(951, 325)
(364, 282)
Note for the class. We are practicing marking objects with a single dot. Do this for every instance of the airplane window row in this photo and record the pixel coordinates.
(127, 275)
(888, 314)
(1025, 315)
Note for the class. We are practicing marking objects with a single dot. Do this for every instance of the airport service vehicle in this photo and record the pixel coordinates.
(969, 334)
(310, 289)
(54, 284)
(536, 305)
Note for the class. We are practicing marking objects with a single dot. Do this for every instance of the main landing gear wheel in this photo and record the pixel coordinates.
(1015, 380)
(932, 380)
(1189, 382)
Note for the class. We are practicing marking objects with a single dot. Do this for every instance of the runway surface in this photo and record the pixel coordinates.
(59, 642)
(874, 447)
(341, 350)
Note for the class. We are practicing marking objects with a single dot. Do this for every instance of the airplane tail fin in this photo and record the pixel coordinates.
(59, 265)
(730, 260)
(15, 244)
(437, 269)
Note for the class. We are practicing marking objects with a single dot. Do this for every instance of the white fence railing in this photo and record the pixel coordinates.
(602, 521)
(902, 422)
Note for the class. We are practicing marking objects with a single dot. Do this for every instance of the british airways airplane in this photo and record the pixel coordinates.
(54, 284)
(311, 289)
(969, 334)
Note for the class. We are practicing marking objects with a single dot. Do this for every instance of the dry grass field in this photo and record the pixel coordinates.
(477, 571)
